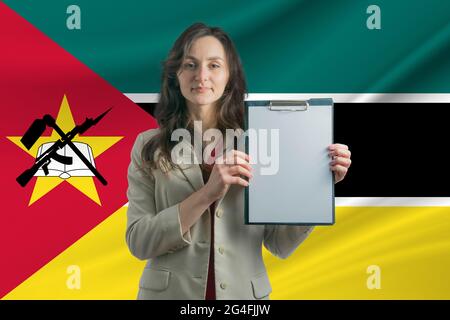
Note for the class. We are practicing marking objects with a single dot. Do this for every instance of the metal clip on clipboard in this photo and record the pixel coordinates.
(289, 105)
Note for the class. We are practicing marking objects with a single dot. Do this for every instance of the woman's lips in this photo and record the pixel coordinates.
(200, 89)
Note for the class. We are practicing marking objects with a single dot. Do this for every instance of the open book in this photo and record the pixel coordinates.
(76, 169)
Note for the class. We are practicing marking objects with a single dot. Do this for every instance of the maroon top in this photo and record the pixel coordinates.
(210, 283)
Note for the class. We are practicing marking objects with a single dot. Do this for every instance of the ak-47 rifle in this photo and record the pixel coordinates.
(36, 130)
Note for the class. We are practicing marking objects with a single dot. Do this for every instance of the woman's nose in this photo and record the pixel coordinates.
(202, 74)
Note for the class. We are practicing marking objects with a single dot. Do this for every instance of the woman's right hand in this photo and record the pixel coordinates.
(228, 170)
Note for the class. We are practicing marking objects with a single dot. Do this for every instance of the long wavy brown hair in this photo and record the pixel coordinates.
(171, 111)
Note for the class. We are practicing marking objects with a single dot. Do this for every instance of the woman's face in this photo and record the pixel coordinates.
(204, 73)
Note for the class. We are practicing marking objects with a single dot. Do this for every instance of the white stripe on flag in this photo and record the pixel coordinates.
(337, 97)
(389, 202)
(392, 202)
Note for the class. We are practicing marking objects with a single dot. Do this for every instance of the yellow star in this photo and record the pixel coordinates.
(98, 145)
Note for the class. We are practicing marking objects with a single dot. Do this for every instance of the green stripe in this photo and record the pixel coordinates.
(286, 46)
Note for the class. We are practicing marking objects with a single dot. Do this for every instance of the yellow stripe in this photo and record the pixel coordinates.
(411, 247)
(107, 269)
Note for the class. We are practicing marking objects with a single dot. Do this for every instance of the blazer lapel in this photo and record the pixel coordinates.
(190, 171)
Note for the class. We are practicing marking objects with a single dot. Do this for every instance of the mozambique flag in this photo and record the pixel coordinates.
(63, 237)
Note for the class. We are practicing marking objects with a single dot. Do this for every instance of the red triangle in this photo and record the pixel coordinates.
(35, 74)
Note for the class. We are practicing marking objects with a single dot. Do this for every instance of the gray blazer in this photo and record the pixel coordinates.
(177, 263)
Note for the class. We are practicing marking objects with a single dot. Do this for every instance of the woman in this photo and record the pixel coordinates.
(187, 220)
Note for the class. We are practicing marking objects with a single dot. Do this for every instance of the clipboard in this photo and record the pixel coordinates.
(301, 192)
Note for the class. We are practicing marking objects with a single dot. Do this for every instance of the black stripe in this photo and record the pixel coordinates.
(398, 149)
(230, 309)
(149, 107)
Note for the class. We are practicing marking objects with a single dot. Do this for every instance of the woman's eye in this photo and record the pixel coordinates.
(215, 66)
(189, 65)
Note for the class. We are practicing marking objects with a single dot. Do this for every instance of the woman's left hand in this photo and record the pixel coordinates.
(340, 155)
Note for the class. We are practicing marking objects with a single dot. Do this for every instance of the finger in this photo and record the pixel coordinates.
(337, 146)
(237, 180)
(235, 159)
(239, 170)
(341, 170)
(341, 161)
(340, 152)
(235, 162)
(339, 173)
(244, 164)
